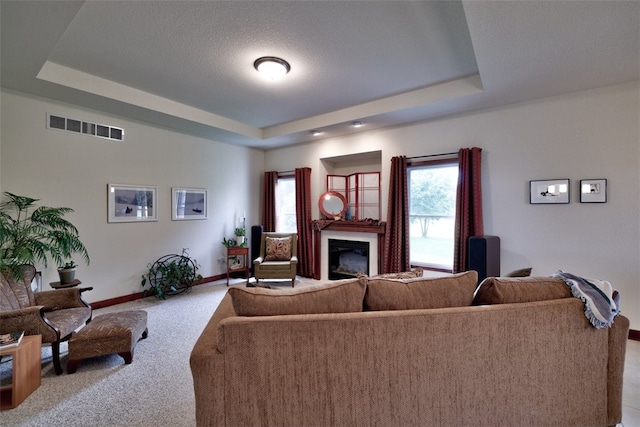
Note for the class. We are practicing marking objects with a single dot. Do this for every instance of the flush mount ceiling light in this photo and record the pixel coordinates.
(316, 132)
(356, 124)
(271, 67)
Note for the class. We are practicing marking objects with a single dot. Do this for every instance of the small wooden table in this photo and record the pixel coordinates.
(58, 285)
(26, 374)
(234, 251)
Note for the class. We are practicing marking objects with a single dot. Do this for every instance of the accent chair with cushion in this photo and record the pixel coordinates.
(54, 314)
(278, 257)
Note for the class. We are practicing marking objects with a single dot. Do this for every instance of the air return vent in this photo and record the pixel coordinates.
(87, 128)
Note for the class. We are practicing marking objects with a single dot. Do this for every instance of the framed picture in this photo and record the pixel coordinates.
(132, 203)
(550, 191)
(593, 191)
(188, 203)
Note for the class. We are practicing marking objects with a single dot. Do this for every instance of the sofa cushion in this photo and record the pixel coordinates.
(278, 248)
(507, 290)
(342, 296)
(420, 292)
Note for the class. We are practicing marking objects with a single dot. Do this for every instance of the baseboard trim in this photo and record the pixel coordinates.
(634, 335)
(138, 295)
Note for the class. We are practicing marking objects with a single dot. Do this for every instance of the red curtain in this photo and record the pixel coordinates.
(396, 249)
(269, 201)
(303, 217)
(468, 205)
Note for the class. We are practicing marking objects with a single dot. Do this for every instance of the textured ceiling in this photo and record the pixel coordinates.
(188, 64)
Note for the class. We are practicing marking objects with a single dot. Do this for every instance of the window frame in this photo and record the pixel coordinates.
(453, 161)
(292, 178)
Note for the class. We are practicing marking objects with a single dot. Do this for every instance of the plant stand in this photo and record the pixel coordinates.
(58, 285)
(235, 251)
(172, 274)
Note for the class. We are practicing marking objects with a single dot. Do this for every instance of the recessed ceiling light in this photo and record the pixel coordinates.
(357, 124)
(271, 67)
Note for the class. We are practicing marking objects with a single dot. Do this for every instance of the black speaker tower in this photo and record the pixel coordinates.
(484, 256)
(254, 249)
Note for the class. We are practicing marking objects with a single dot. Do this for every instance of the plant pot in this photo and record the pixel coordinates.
(240, 240)
(67, 275)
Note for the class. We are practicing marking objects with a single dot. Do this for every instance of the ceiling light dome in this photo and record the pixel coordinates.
(271, 67)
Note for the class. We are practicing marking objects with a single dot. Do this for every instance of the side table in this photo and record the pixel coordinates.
(58, 285)
(26, 373)
(242, 251)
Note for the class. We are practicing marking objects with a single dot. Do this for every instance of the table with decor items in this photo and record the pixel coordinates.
(236, 251)
(26, 371)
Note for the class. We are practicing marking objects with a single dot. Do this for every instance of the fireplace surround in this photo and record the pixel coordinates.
(364, 230)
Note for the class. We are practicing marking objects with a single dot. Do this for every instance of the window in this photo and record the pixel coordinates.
(432, 208)
(286, 205)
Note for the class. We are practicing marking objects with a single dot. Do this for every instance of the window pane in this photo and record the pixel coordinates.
(286, 205)
(432, 208)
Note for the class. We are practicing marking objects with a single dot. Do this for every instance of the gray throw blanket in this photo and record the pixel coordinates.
(601, 301)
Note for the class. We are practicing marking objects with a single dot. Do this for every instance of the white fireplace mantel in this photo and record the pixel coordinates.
(360, 231)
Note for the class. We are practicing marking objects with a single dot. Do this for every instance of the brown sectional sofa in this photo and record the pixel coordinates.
(439, 353)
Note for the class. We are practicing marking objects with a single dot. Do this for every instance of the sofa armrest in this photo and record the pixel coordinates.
(207, 369)
(62, 298)
(618, 335)
(258, 261)
(294, 260)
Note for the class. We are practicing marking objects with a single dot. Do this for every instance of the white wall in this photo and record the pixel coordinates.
(591, 134)
(585, 135)
(65, 169)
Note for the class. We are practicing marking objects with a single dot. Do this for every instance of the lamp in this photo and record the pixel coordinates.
(316, 132)
(356, 124)
(271, 67)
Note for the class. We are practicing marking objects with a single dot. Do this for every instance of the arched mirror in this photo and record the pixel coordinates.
(332, 205)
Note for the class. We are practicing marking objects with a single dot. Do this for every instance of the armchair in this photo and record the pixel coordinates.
(278, 257)
(54, 314)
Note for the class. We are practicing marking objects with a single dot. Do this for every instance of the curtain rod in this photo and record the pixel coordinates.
(286, 172)
(433, 155)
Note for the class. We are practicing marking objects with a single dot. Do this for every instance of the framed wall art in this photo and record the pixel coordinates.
(188, 203)
(549, 191)
(593, 191)
(131, 203)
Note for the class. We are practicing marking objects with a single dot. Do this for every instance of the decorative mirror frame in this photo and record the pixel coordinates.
(328, 195)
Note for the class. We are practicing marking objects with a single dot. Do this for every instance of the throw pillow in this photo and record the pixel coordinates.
(420, 292)
(343, 296)
(507, 290)
(278, 249)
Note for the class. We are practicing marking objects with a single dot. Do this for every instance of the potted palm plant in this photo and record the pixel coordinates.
(30, 234)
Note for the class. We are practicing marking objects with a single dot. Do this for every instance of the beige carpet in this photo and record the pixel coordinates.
(155, 390)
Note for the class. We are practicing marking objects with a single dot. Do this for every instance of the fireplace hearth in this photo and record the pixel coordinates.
(347, 258)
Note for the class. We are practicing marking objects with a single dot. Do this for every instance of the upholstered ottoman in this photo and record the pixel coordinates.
(107, 334)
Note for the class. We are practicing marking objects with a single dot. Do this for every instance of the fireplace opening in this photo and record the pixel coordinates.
(347, 258)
